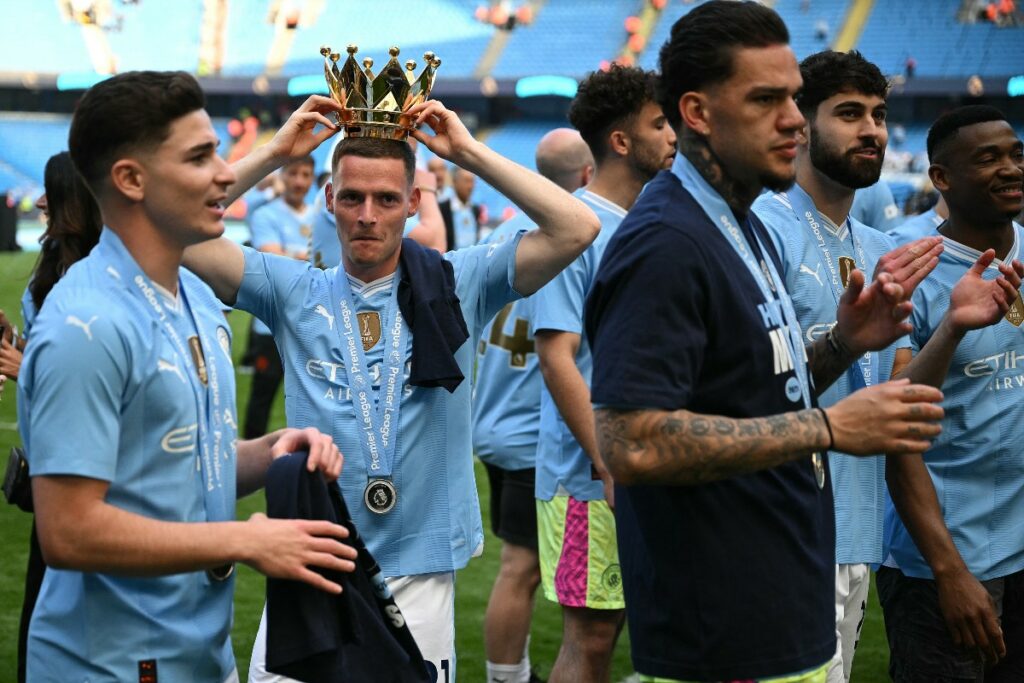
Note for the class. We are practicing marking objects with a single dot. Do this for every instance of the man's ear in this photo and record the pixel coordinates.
(329, 196)
(693, 109)
(414, 201)
(939, 176)
(618, 143)
(128, 178)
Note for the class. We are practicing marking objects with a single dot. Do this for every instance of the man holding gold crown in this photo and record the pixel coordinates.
(378, 349)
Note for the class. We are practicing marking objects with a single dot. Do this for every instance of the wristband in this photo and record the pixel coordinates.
(837, 345)
(828, 425)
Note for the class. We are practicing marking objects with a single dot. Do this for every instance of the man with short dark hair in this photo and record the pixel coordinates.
(377, 351)
(618, 117)
(820, 243)
(706, 414)
(127, 408)
(952, 587)
(506, 416)
(462, 218)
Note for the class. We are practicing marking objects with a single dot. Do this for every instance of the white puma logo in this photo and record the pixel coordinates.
(77, 322)
(812, 273)
(325, 313)
(113, 273)
(166, 366)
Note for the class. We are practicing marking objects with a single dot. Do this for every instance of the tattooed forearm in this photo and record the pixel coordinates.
(827, 364)
(737, 195)
(680, 447)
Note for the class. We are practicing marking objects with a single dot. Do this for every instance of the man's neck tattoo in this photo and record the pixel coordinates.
(738, 196)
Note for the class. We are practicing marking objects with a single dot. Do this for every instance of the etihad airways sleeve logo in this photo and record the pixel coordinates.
(997, 364)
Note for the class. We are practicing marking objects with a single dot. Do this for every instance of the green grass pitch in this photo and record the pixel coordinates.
(473, 584)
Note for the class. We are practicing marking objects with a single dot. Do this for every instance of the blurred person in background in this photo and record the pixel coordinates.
(73, 225)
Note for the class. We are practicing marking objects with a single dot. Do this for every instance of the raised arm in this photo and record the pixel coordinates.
(430, 230)
(566, 226)
(680, 447)
(974, 303)
(870, 318)
(297, 138)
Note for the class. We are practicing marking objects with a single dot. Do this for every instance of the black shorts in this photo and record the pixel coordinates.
(513, 506)
(921, 648)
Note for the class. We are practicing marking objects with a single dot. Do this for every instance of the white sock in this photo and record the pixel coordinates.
(524, 663)
(504, 673)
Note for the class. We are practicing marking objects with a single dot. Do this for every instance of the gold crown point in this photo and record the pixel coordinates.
(352, 49)
(375, 105)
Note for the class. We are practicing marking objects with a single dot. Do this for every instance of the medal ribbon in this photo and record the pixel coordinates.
(207, 402)
(378, 423)
(864, 372)
(771, 285)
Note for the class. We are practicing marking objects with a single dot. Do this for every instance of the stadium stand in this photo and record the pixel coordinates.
(21, 48)
(929, 32)
(27, 141)
(567, 37)
(446, 26)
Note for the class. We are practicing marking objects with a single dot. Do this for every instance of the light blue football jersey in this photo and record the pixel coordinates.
(324, 246)
(106, 392)
(858, 482)
(435, 525)
(923, 225)
(562, 466)
(875, 207)
(506, 395)
(976, 464)
(278, 223)
(464, 223)
(28, 311)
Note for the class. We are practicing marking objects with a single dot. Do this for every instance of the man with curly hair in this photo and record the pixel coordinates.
(618, 116)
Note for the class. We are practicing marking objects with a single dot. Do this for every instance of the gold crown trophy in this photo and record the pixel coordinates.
(376, 106)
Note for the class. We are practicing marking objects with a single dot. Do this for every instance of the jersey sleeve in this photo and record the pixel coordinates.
(645, 322)
(75, 378)
(268, 283)
(559, 304)
(264, 229)
(484, 275)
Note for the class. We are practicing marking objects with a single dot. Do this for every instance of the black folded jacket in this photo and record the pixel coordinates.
(317, 637)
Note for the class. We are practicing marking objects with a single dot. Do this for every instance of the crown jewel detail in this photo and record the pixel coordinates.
(375, 105)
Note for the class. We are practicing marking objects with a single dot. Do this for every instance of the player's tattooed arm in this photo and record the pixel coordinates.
(738, 196)
(682, 448)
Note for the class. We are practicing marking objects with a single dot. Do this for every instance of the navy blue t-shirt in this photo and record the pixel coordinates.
(732, 579)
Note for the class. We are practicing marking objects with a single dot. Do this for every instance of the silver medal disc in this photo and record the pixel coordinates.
(819, 469)
(380, 495)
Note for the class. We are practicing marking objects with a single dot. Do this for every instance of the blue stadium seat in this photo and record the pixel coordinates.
(567, 38)
(930, 33)
(446, 27)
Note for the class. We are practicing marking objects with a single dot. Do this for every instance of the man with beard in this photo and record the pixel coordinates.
(952, 587)
(820, 244)
(618, 116)
(706, 415)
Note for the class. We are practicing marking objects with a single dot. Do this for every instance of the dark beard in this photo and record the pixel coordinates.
(843, 168)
